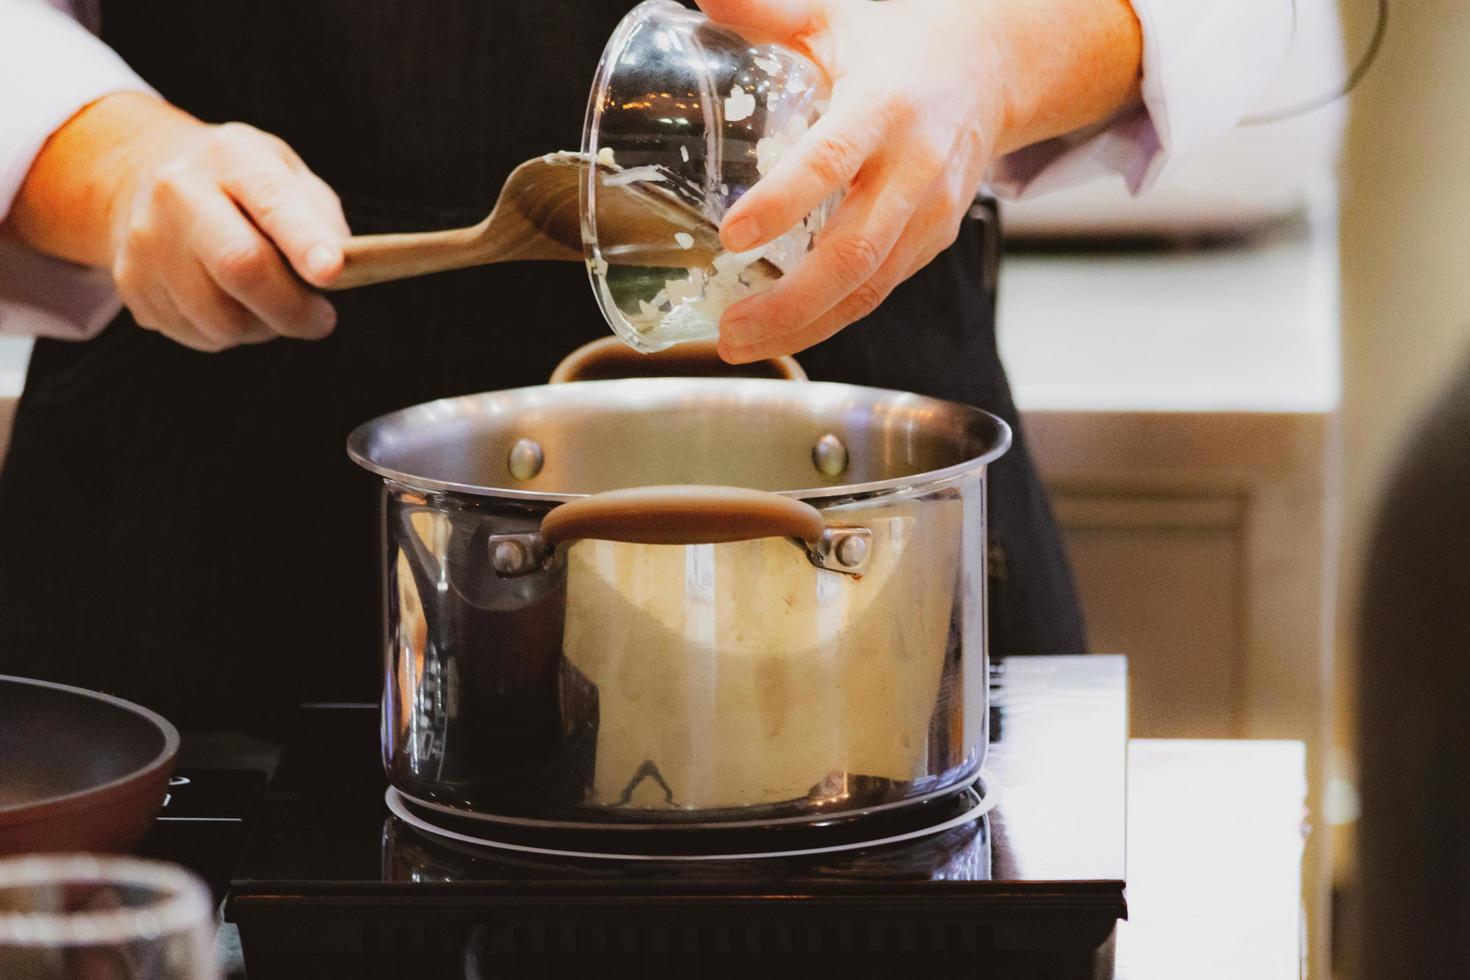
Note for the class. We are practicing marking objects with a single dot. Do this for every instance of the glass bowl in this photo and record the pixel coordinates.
(698, 111)
(70, 916)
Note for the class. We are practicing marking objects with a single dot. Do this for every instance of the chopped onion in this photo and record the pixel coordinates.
(649, 173)
(727, 263)
(739, 104)
(678, 290)
(690, 307)
(695, 303)
(770, 149)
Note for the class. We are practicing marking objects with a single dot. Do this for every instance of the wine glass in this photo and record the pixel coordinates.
(86, 917)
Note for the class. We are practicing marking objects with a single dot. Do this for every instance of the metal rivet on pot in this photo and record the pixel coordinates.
(526, 459)
(508, 557)
(829, 455)
(852, 550)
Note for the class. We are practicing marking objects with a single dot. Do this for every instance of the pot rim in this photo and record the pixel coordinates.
(359, 440)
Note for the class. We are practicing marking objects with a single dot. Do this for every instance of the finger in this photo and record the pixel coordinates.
(164, 318)
(927, 255)
(143, 294)
(918, 246)
(290, 213)
(331, 207)
(849, 251)
(783, 18)
(808, 335)
(183, 333)
(949, 213)
(329, 203)
(321, 192)
(217, 317)
(160, 316)
(824, 161)
(248, 268)
(856, 306)
(153, 309)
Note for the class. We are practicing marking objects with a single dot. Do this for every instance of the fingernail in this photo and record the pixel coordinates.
(735, 331)
(741, 234)
(731, 355)
(320, 260)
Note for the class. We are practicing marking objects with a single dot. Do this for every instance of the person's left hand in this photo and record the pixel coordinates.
(916, 116)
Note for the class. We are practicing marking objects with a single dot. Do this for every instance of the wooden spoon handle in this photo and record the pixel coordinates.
(382, 258)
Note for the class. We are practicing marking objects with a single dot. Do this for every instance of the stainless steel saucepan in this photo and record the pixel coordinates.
(682, 600)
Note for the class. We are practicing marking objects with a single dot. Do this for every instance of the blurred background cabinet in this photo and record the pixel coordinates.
(1197, 540)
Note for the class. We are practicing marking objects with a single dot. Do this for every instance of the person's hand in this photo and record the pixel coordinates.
(925, 94)
(909, 132)
(203, 232)
(212, 233)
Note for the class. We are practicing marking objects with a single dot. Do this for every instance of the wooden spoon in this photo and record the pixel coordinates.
(538, 216)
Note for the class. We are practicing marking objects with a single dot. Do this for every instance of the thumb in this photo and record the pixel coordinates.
(779, 18)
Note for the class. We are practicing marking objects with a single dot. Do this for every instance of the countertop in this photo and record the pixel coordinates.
(1214, 842)
(1215, 838)
(1244, 327)
(1215, 835)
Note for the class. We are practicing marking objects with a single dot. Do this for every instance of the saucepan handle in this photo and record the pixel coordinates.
(683, 515)
(609, 357)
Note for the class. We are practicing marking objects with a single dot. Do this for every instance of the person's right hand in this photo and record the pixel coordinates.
(200, 225)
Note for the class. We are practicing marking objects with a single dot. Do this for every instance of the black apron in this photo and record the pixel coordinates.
(184, 529)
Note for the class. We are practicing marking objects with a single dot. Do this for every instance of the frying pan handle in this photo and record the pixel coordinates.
(683, 515)
(609, 357)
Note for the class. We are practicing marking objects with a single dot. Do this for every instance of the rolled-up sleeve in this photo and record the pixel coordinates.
(1206, 63)
(50, 67)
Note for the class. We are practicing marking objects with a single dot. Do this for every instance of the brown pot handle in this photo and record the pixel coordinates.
(609, 357)
(682, 515)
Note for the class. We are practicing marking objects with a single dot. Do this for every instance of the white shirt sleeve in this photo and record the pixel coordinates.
(50, 67)
(1206, 63)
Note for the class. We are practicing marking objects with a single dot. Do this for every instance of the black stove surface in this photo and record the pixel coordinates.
(203, 822)
(331, 884)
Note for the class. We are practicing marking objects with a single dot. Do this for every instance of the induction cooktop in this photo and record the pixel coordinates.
(332, 883)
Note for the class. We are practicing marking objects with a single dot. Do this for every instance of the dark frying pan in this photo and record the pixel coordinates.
(79, 771)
